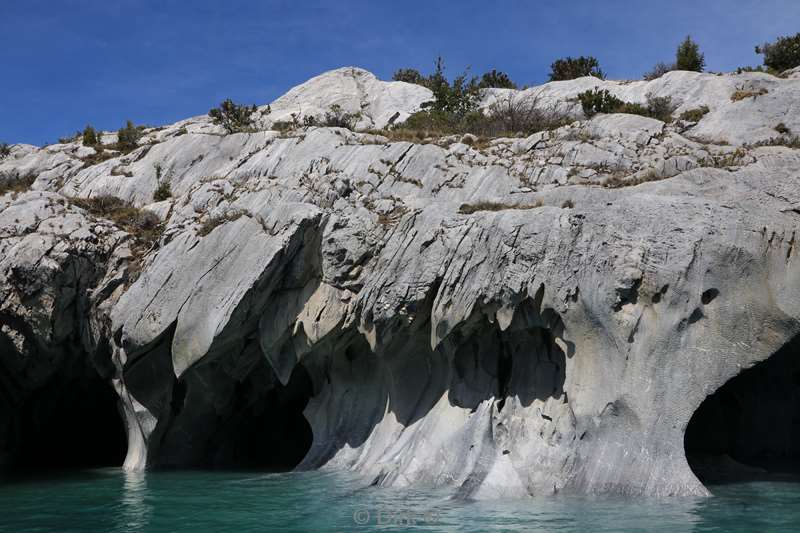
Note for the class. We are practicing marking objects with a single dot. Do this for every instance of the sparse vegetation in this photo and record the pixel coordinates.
(336, 117)
(128, 137)
(602, 101)
(694, 115)
(617, 181)
(496, 79)
(468, 209)
(688, 56)
(100, 155)
(212, 222)
(787, 140)
(162, 192)
(232, 116)
(742, 93)
(598, 101)
(492, 79)
(759, 68)
(730, 159)
(73, 138)
(120, 170)
(409, 75)
(89, 136)
(568, 204)
(15, 182)
(144, 226)
(570, 68)
(509, 116)
(783, 54)
(659, 69)
(5, 150)
(783, 129)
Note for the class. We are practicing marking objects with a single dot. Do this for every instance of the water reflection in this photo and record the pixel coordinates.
(135, 513)
(235, 502)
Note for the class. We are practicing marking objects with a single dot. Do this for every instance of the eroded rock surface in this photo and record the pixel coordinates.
(496, 319)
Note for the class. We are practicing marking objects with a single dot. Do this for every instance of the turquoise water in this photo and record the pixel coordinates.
(110, 500)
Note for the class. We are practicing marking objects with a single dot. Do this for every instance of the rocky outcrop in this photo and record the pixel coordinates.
(534, 315)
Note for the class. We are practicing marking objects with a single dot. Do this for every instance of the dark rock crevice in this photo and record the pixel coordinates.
(70, 421)
(749, 429)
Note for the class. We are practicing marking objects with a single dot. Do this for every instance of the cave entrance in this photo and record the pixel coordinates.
(252, 423)
(70, 423)
(266, 429)
(749, 428)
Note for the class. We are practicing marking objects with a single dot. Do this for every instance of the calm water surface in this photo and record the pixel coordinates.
(110, 500)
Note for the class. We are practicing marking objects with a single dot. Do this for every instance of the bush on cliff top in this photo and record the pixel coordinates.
(688, 56)
(232, 116)
(128, 137)
(89, 136)
(570, 68)
(783, 54)
(602, 101)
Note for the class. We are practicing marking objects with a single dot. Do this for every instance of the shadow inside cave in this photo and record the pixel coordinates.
(69, 423)
(219, 422)
(749, 429)
(477, 362)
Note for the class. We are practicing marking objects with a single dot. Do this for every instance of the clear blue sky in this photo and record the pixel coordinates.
(66, 63)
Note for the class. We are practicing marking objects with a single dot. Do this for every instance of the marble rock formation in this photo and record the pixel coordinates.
(490, 317)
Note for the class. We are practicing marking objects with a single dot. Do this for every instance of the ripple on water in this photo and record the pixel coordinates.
(112, 500)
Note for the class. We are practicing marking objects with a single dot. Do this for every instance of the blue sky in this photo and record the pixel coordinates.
(66, 63)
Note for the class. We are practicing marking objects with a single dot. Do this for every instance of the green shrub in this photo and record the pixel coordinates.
(688, 56)
(128, 137)
(5, 150)
(409, 75)
(660, 107)
(783, 54)
(599, 101)
(602, 101)
(90, 136)
(233, 117)
(336, 117)
(163, 192)
(507, 117)
(497, 80)
(457, 98)
(570, 68)
(694, 115)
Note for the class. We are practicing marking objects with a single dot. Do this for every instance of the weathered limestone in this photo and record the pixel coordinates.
(494, 319)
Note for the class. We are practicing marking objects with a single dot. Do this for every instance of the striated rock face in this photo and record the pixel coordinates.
(492, 319)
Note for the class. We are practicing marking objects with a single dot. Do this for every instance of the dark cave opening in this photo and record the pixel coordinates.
(749, 429)
(267, 429)
(255, 423)
(68, 424)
